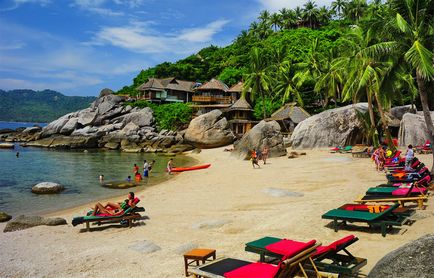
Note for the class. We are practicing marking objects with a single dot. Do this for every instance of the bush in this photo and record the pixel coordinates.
(173, 116)
(270, 107)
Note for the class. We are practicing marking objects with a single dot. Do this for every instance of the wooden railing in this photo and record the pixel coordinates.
(223, 100)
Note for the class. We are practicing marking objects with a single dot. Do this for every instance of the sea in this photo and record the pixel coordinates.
(15, 125)
(77, 170)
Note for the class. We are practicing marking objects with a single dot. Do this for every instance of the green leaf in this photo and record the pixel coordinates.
(421, 59)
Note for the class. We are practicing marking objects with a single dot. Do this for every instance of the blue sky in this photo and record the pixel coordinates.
(78, 47)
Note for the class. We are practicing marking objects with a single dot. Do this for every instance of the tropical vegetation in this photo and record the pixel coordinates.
(380, 52)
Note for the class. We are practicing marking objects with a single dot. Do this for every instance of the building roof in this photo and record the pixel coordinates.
(157, 84)
(292, 112)
(241, 104)
(237, 88)
(213, 84)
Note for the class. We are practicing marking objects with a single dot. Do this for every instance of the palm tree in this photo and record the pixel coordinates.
(257, 78)
(288, 84)
(264, 17)
(310, 13)
(331, 81)
(355, 9)
(413, 25)
(324, 15)
(276, 21)
(338, 7)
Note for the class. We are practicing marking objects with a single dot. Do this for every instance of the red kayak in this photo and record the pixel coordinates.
(198, 167)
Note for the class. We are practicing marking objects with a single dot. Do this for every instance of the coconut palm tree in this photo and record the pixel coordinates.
(288, 84)
(413, 24)
(276, 21)
(310, 14)
(338, 7)
(355, 9)
(257, 78)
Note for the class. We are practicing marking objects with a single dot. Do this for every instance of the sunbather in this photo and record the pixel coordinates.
(115, 208)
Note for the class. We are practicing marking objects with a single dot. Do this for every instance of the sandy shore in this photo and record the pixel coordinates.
(222, 207)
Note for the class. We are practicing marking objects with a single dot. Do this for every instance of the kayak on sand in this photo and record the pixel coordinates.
(198, 167)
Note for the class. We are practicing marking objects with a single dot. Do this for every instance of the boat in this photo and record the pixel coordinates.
(197, 167)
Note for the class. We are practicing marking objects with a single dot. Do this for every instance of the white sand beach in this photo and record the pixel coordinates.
(222, 207)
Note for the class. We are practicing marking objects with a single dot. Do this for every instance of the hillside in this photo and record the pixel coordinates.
(38, 106)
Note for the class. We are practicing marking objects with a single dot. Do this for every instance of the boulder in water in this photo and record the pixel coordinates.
(47, 188)
(4, 217)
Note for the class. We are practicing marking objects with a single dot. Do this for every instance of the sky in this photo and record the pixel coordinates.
(79, 47)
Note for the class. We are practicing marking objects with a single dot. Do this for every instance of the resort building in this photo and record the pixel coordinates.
(240, 116)
(211, 95)
(289, 116)
(166, 90)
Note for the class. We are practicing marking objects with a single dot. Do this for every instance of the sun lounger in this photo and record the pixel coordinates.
(384, 220)
(401, 177)
(326, 258)
(128, 216)
(235, 268)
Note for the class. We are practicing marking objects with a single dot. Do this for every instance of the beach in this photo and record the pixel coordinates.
(222, 208)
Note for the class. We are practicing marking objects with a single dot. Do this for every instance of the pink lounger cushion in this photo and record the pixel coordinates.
(404, 191)
(333, 246)
(254, 270)
(289, 248)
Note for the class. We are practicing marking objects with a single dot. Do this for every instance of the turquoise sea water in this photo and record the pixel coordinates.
(78, 171)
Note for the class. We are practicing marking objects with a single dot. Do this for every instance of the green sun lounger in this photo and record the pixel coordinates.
(331, 261)
(384, 220)
(128, 217)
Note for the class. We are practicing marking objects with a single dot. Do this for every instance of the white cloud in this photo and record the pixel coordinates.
(140, 37)
(275, 5)
(14, 4)
(95, 6)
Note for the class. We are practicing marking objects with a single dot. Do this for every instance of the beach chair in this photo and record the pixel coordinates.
(401, 196)
(409, 177)
(326, 258)
(127, 217)
(288, 266)
(385, 219)
(347, 149)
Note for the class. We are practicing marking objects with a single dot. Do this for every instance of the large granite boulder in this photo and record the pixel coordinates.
(209, 130)
(261, 135)
(334, 127)
(141, 118)
(106, 103)
(413, 129)
(4, 217)
(398, 112)
(86, 117)
(411, 260)
(69, 127)
(47, 188)
(56, 126)
(24, 222)
(31, 130)
(105, 92)
(74, 142)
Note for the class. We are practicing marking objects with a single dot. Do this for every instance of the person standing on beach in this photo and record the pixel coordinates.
(151, 164)
(265, 154)
(170, 166)
(135, 169)
(101, 178)
(145, 168)
(254, 159)
(409, 156)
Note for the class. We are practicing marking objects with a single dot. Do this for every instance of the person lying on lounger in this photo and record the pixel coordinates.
(116, 208)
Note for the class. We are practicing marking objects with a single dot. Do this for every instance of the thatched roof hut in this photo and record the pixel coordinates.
(213, 85)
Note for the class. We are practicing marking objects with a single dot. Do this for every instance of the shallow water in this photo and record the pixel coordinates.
(78, 171)
(15, 125)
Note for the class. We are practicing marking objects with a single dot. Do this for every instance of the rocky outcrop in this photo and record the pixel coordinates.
(335, 127)
(413, 129)
(261, 135)
(409, 260)
(47, 188)
(209, 130)
(4, 217)
(24, 222)
(7, 145)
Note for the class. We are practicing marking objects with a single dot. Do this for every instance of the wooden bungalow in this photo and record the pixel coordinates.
(240, 116)
(289, 116)
(166, 90)
(211, 95)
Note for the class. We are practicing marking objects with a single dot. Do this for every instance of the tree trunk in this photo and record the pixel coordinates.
(372, 118)
(385, 124)
(426, 112)
(263, 105)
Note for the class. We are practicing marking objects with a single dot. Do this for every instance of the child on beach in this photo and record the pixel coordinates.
(135, 169)
(129, 179)
(409, 156)
(254, 159)
(170, 166)
(265, 154)
(145, 168)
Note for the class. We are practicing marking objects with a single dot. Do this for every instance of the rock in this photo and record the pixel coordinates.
(55, 126)
(4, 217)
(409, 260)
(209, 224)
(334, 127)
(47, 188)
(209, 130)
(141, 118)
(130, 129)
(413, 130)
(32, 130)
(46, 142)
(6, 130)
(86, 117)
(399, 111)
(145, 247)
(121, 184)
(69, 127)
(179, 148)
(278, 192)
(24, 222)
(106, 103)
(261, 135)
(6, 146)
(112, 145)
(197, 150)
(105, 92)
(74, 142)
